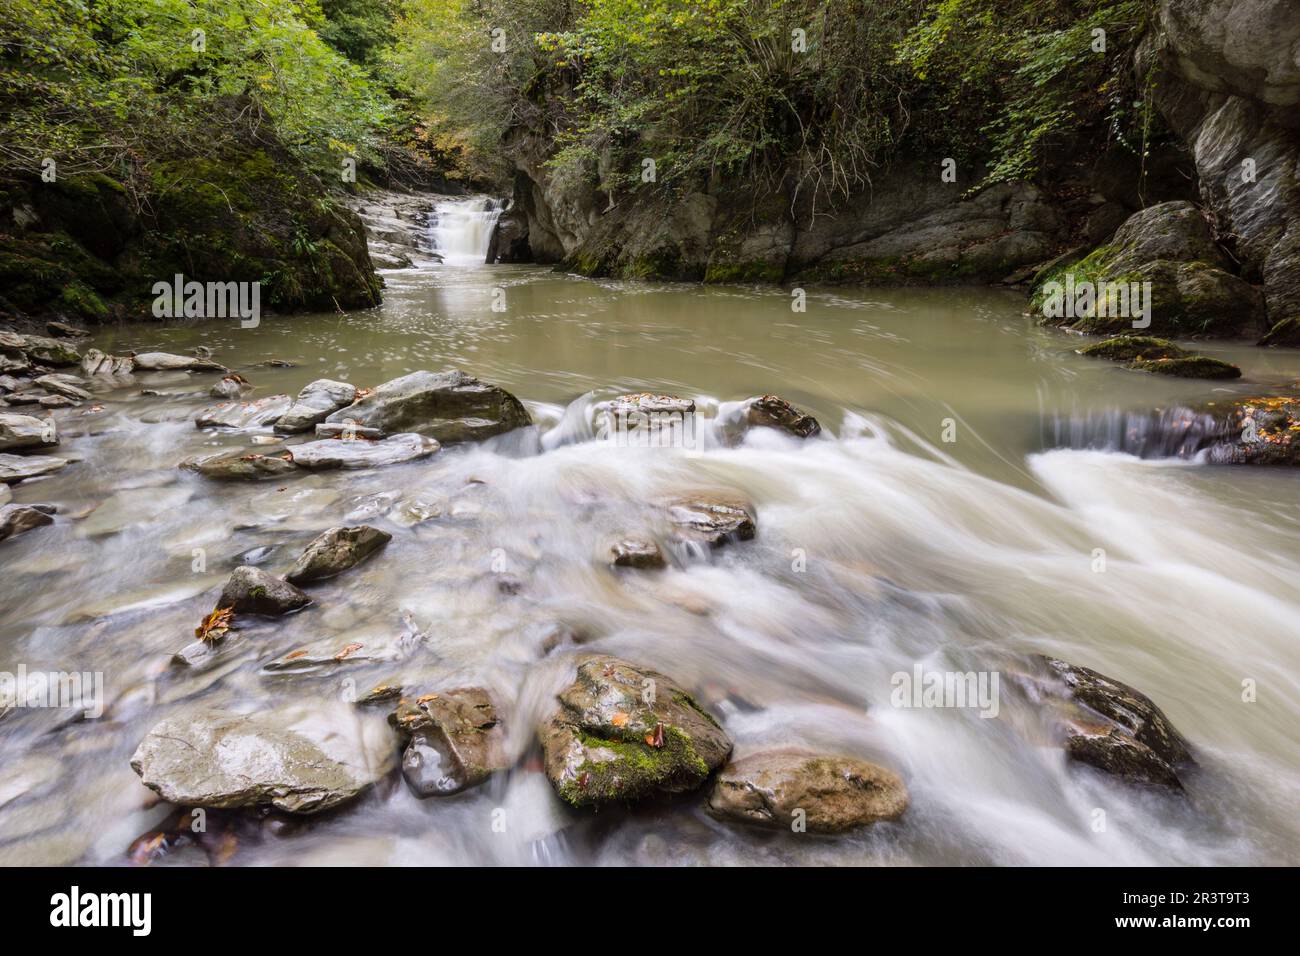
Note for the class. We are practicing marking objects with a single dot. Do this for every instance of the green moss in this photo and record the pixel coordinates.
(1128, 348)
(1192, 366)
(754, 271)
(636, 769)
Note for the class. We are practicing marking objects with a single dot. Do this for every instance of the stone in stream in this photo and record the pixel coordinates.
(624, 733)
(450, 406)
(14, 364)
(636, 551)
(253, 591)
(50, 351)
(62, 330)
(241, 467)
(25, 431)
(315, 403)
(346, 430)
(167, 362)
(56, 401)
(15, 519)
(1146, 353)
(330, 453)
(14, 468)
(300, 758)
(455, 740)
(835, 793)
(770, 411)
(711, 517)
(255, 414)
(99, 364)
(336, 550)
(230, 387)
(68, 386)
(1114, 728)
(1258, 431)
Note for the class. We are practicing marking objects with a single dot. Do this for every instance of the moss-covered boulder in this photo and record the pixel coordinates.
(624, 733)
(1192, 290)
(1146, 353)
(1284, 333)
(1191, 366)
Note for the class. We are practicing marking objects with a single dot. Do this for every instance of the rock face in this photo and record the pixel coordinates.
(712, 518)
(1147, 354)
(241, 467)
(834, 793)
(331, 453)
(300, 759)
(336, 550)
(252, 591)
(315, 403)
(625, 733)
(1116, 729)
(450, 406)
(15, 468)
(1192, 291)
(456, 740)
(255, 414)
(24, 431)
(166, 362)
(15, 519)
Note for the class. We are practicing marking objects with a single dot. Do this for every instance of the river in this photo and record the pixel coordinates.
(880, 544)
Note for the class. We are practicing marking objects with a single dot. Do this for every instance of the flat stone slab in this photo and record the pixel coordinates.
(330, 453)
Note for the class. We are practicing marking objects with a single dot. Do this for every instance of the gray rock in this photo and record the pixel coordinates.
(333, 453)
(712, 518)
(167, 362)
(834, 793)
(255, 414)
(50, 351)
(335, 551)
(229, 387)
(346, 430)
(95, 363)
(62, 330)
(450, 406)
(455, 740)
(625, 733)
(15, 519)
(301, 759)
(251, 590)
(315, 403)
(25, 431)
(60, 385)
(241, 467)
(14, 468)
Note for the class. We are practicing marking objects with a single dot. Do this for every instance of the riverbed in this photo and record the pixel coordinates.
(934, 520)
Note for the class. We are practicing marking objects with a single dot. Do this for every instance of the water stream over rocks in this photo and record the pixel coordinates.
(877, 546)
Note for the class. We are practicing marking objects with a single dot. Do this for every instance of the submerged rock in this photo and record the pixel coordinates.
(25, 431)
(252, 590)
(16, 519)
(455, 740)
(255, 414)
(230, 387)
(633, 551)
(15, 468)
(330, 453)
(1116, 729)
(1193, 366)
(1145, 353)
(834, 793)
(315, 403)
(449, 406)
(626, 733)
(166, 362)
(302, 759)
(336, 550)
(241, 467)
(712, 517)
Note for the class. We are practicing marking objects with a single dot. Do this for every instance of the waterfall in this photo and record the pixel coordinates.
(460, 229)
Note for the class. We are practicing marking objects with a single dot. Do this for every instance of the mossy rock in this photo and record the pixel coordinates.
(1129, 348)
(1191, 366)
(1284, 333)
(625, 733)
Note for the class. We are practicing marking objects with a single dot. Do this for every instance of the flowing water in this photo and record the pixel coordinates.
(880, 545)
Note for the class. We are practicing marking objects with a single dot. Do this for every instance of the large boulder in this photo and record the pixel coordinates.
(625, 733)
(25, 431)
(455, 740)
(251, 590)
(450, 406)
(834, 793)
(330, 453)
(336, 550)
(315, 403)
(301, 758)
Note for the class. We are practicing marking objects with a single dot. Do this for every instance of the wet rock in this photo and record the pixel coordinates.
(1258, 431)
(255, 414)
(95, 363)
(347, 650)
(251, 590)
(230, 387)
(14, 468)
(450, 406)
(56, 401)
(624, 733)
(712, 518)
(14, 364)
(315, 403)
(633, 551)
(61, 330)
(15, 519)
(346, 430)
(1116, 729)
(330, 453)
(166, 362)
(641, 405)
(65, 385)
(834, 793)
(1146, 353)
(335, 551)
(455, 740)
(50, 351)
(241, 467)
(25, 431)
(772, 411)
(301, 759)
(1193, 366)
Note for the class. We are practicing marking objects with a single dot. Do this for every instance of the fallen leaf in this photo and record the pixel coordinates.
(214, 627)
(619, 719)
(656, 739)
(347, 650)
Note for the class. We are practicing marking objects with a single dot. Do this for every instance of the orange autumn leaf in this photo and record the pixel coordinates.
(619, 719)
(656, 739)
(346, 651)
(214, 627)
